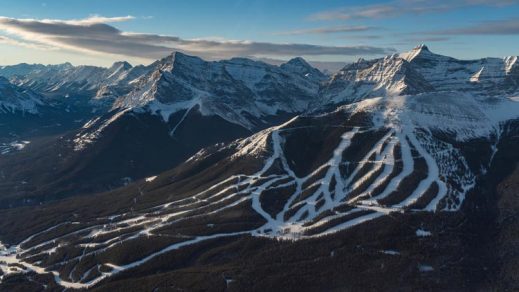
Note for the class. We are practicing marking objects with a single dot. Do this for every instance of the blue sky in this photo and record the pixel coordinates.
(100, 32)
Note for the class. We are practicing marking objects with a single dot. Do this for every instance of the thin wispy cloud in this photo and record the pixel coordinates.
(95, 35)
(402, 7)
(426, 39)
(95, 19)
(497, 27)
(367, 37)
(13, 42)
(328, 30)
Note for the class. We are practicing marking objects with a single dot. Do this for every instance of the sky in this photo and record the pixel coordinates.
(99, 32)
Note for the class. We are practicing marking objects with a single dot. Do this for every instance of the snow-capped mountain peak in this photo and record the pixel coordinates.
(235, 89)
(395, 76)
(300, 66)
(298, 61)
(121, 65)
(391, 75)
(492, 76)
(177, 59)
(83, 82)
(420, 51)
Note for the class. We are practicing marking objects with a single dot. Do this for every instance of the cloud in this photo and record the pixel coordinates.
(426, 39)
(13, 42)
(497, 27)
(328, 30)
(499, 3)
(95, 19)
(402, 7)
(95, 35)
(364, 37)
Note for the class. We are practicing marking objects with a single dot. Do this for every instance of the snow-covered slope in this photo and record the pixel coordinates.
(25, 69)
(101, 85)
(419, 71)
(16, 99)
(488, 75)
(299, 66)
(388, 76)
(239, 90)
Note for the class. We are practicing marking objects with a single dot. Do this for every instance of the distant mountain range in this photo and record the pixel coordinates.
(240, 175)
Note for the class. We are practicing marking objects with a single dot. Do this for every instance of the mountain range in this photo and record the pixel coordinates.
(392, 173)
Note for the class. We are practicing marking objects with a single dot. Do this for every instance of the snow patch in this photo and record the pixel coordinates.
(390, 252)
(423, 233)
(425, 268)
(6, 148)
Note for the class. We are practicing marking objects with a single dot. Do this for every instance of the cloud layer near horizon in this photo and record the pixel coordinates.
(329, 30)
(496, 27)
(401, 7)
(95, 35)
